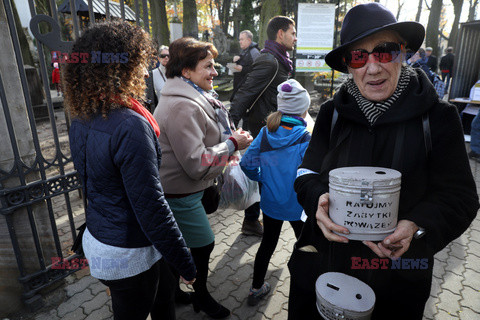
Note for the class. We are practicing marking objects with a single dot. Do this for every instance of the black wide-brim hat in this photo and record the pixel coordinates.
(364, 20)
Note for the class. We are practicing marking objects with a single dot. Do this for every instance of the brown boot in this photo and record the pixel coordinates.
(252, 228)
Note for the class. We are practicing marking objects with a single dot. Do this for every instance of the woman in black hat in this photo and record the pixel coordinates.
(385, 115)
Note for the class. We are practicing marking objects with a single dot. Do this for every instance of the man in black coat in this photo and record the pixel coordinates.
(446, 65)
(245, 60)
(257, 96)
(432, 61)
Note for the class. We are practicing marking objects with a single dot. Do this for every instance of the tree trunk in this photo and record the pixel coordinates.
(433, 25)
(164, 31)
(218, 5)
(155, 14)
(160, 31)
(226, 15)
(270, 9)
(457, 9)
(419, 11)
(190, 25)
(400, 6)
(472, 10)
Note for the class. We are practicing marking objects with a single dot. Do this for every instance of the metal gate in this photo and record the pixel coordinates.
(41, 203)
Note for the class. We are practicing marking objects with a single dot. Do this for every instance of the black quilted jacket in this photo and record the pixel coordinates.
(118, 159)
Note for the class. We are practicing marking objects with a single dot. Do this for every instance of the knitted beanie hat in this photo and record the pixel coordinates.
(292, 98)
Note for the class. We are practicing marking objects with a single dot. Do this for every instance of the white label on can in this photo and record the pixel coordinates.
(378, 217)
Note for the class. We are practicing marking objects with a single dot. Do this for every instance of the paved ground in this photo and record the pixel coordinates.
(455, 292)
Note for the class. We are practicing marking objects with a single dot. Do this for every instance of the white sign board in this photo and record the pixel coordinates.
(315, 30)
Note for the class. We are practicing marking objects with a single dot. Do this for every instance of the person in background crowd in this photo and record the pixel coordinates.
(113, 140)
(244, 61)
(197, 133)
(284, 137)
(432, 61)
(446, 65)
(257, 95)
(159, 77)
(56, 78)
(381, 111)
(418, 60)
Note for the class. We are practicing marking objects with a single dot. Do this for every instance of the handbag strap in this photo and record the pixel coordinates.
(269, 83)
(427, 135)
(397, 151)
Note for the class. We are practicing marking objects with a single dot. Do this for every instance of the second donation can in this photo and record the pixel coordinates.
(365, 201)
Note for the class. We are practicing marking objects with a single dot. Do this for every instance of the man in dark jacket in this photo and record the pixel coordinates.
(432, 61)
(446, 65)
(257, 96)
(245, 60)
(244, 63)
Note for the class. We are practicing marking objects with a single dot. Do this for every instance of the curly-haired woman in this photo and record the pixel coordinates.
(114, 146)
(197, 134)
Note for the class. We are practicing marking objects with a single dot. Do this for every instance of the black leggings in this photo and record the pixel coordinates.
(151, 292)
(201, 257)
(271, 233)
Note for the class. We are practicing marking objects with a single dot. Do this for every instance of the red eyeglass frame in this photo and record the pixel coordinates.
(382, 57)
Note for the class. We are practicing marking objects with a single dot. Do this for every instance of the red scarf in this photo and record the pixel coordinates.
(140, 109)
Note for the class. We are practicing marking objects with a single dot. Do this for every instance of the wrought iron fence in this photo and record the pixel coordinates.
(47, 177)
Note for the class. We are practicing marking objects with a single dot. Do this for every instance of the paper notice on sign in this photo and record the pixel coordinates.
(316, 22)
(475, 92)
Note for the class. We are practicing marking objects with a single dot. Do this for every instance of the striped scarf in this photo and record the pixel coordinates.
(373, 110)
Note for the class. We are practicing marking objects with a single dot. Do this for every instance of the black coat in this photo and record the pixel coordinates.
(432, 63)
(263, 70)
(446, 63)
(438, 193)
(247, 57)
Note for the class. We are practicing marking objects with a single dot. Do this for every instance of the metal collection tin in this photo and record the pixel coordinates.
(365, 201)
(340, 296)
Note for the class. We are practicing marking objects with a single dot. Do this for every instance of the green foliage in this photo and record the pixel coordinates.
(247, 14)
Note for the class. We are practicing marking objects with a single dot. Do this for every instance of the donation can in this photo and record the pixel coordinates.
(365, 200)
(343, 297)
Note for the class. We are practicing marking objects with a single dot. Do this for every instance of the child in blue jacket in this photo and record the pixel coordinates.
(272, 159)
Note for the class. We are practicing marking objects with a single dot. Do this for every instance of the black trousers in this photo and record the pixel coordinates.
(150, 292)
(271, 233)
(252, 213)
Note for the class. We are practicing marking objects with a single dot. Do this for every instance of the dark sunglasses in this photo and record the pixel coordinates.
(164, 55)
(384, 53)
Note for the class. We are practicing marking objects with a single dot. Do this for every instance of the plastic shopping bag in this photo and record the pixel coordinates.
(440, 87)
(237, 190)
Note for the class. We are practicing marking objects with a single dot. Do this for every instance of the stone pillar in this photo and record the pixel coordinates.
(10, 288)
(175, 31)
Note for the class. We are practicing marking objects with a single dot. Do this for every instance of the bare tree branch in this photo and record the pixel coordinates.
(426, 4)
(419, 10)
